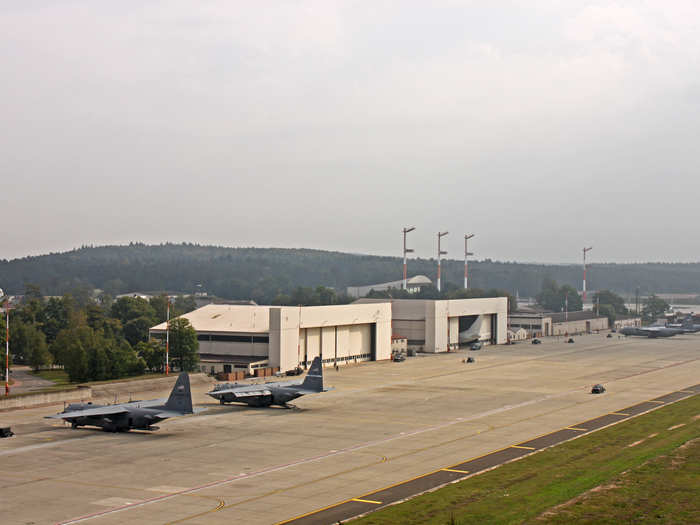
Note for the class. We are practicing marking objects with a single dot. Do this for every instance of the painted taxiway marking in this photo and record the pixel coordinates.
(366, 501)
(455, 470)
(620, 414)
(687, 391)
(523, 447)
(577, 428)
(656, 401)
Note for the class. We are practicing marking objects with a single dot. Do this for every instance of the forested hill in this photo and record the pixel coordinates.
(261, 273)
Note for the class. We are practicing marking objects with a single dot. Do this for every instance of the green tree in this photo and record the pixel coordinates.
(127, 308)
(653, 308)
(136, 330)
(184, 347)
(606, 297)
(557, 298)
(607, 310)
(153, 354)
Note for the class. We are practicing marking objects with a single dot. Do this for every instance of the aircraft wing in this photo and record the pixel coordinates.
(101, 411)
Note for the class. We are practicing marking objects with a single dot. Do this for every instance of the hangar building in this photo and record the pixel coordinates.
(247, 337)
(441, 325)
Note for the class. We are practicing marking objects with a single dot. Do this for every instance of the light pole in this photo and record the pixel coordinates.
(7, 345)
(585, 250)
(467, 253)
(406, 251)
(440, 235)
(167, 339)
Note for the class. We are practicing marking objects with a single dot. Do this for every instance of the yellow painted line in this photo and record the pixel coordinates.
(655, 401)
(366, 501)
(456, 470)
(619, 414)
(577, 428)
(521, 446)
(687, 391)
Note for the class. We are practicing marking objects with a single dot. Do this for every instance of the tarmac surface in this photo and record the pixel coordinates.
(387, 431)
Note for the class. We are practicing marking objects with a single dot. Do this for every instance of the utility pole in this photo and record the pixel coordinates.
(7, 347)
(566, 306)
(467, 253)
(167, 340)
(406, 251)
(585, 250)
(440, 235)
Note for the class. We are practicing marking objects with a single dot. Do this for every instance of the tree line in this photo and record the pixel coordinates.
(99, 339)
(264, 274)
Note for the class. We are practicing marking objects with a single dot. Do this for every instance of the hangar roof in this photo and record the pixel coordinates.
(227, 318)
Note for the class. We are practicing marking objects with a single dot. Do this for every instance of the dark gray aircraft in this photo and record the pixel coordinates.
(136, 414)
(687, 325)
(274, 393)
(650, 331)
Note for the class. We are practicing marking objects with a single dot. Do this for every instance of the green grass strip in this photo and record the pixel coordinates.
(521, 491)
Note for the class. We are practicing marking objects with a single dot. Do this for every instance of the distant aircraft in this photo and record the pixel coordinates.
(136, 414)
(687, 325)
(274, 393)
(650, 331)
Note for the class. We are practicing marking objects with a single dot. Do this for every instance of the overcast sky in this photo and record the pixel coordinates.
(541, 126)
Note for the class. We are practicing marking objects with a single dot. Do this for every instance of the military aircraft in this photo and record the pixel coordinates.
(686, 325)
(650, 331)
(274, 393)
(136, 414)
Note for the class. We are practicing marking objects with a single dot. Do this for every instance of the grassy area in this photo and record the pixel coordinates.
(656, 480)
(57, 375)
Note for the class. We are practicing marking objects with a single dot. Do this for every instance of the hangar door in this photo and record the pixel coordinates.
(337, 343)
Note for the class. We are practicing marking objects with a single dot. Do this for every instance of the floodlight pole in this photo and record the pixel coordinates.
(467, 253)
(585, 250)
(406, 251)
(7, 347)
(167, 340)
(440, 235)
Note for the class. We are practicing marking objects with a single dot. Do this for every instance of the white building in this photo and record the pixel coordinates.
(439, 326)
(413, 285)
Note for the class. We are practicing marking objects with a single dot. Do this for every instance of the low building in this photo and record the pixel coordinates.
(413, 285)
(560, 323)
(517, 334)
(624, 321)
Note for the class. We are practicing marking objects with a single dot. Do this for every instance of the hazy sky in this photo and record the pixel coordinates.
(540, 126)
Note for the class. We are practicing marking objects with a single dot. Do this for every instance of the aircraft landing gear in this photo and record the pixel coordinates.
(73, 424)
(221, 401)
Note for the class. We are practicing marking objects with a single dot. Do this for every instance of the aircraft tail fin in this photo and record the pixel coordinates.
(314, 378)
(180, 399)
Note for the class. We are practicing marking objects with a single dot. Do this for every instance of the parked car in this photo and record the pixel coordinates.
(609, 336)
(536, 341)
(470, 360)
(597, 389)
(476, 345)
(571, 340)
(398, 357)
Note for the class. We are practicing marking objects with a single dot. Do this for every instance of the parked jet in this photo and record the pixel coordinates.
(274, 393)
(137, 414)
